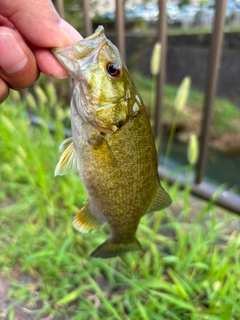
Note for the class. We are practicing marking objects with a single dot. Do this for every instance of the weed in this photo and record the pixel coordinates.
(189, 267)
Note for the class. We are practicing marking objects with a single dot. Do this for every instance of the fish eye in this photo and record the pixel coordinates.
(113, 69)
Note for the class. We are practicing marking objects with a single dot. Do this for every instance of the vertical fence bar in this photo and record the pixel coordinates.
(61, 11)
(120, 27)
(210, 90)
(60, 8)
(162, 26)
(87, 20)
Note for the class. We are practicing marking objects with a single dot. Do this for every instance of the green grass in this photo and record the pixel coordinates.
(198, 31)
(225, 113)
(189, 267)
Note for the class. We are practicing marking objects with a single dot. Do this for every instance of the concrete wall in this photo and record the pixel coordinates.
(188, 56)
(194, 62)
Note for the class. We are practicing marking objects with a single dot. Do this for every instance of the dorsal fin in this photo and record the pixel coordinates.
(161, 200)
(68, 160)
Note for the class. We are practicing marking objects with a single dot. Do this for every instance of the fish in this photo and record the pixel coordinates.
(112, 145)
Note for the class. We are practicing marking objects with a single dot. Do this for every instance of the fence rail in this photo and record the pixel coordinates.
(199, 188)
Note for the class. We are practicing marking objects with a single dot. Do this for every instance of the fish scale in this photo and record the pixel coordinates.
(112, 146)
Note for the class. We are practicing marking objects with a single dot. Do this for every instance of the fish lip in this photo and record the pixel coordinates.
(85, 47)
(70, 56)
(65, 56)
(71, 52)
(98, 32)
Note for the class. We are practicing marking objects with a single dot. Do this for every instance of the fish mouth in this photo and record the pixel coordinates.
(71, 56)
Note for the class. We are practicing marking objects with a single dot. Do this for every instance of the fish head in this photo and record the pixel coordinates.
(101, 81)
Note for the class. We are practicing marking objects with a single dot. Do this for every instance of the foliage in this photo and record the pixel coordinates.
(73, 13)
(189, 267)
(184, 3)
(225, 113)
(199, 31)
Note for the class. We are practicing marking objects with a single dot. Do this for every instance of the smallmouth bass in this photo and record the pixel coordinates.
(112, 145)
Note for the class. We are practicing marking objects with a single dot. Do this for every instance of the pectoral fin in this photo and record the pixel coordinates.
(86, 221)
(63, 146)
(68, 160)
(161, 200)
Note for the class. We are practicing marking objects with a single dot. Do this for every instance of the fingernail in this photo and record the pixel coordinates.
(70, 31)
(12, 56)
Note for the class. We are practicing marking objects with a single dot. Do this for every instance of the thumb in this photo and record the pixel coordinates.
(39, 23)
(18, 67)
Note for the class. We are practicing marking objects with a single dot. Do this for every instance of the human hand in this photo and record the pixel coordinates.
(28, 29)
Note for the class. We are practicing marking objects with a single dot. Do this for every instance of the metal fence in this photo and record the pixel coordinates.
(199, 187)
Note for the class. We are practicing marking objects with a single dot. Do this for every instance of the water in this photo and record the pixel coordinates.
(221, 168)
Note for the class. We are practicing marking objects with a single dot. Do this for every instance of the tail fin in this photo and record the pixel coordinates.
(110, 249)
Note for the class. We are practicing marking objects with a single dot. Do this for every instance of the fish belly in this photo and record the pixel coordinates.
(119, 172)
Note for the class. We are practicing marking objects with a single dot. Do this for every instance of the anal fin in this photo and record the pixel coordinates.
(161, 200)
(86, 221)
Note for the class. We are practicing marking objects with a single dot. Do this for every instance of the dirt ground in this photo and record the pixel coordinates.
(21, 310)
(6, 303)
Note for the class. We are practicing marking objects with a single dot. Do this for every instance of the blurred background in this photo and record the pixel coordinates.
(188, 40)
(180, 13)
(189, 267)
